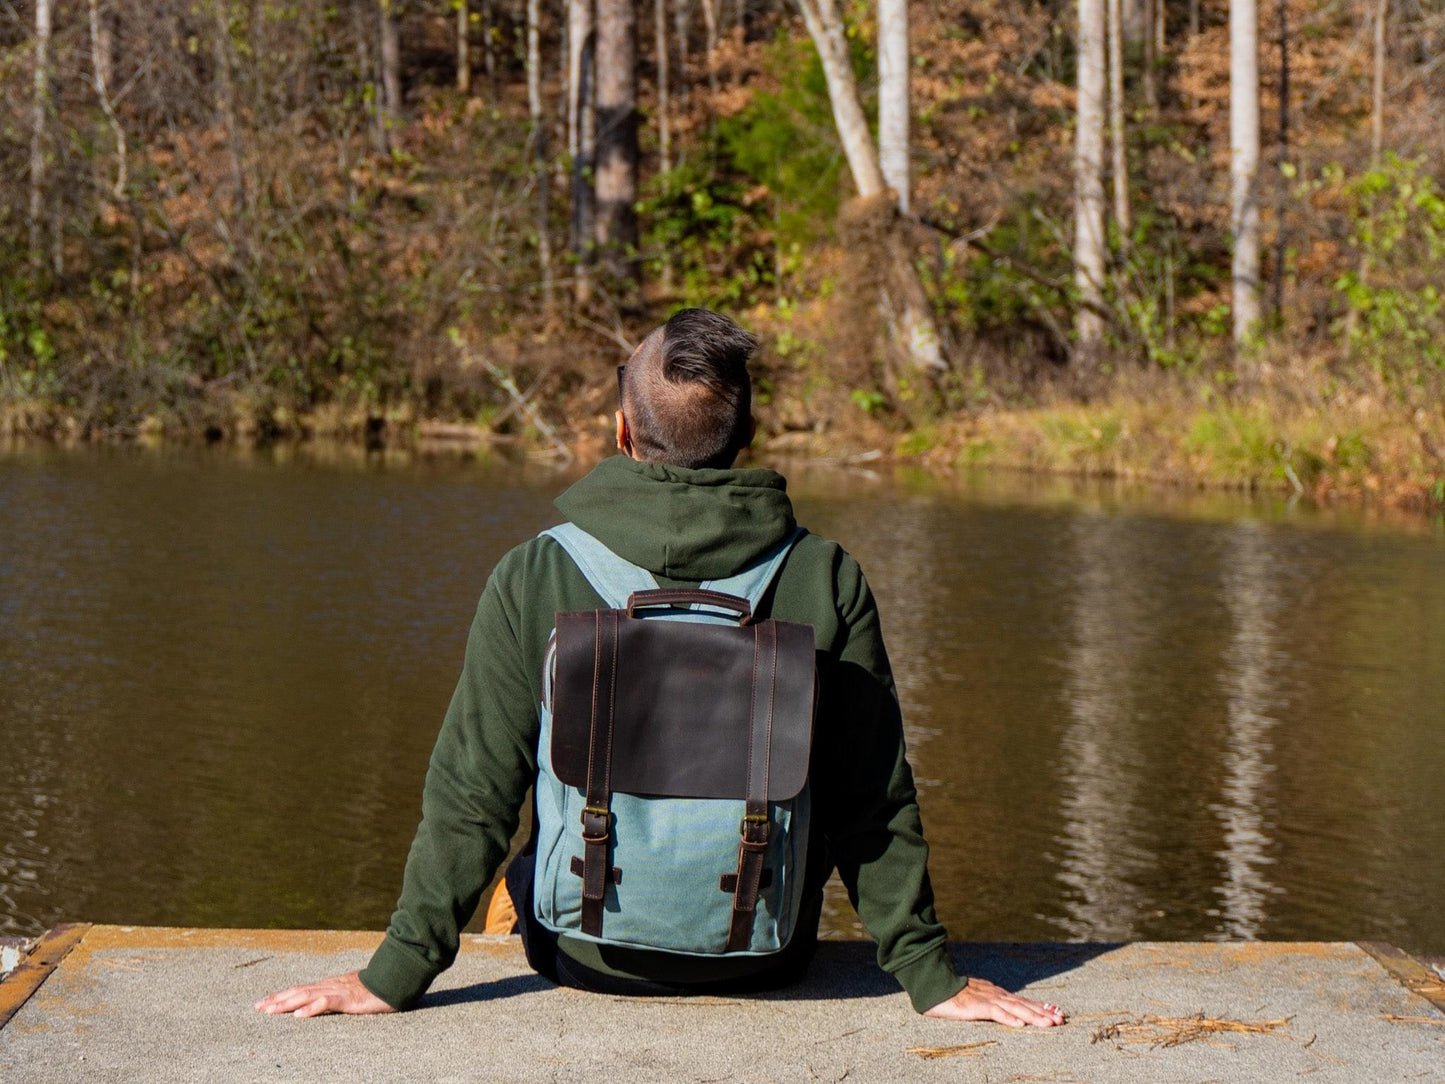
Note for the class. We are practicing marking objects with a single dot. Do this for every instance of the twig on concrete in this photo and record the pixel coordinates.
(1437, 1020)
(1166, 1031)
(966, 1050)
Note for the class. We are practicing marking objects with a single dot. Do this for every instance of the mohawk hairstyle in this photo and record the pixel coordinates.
(686, 392)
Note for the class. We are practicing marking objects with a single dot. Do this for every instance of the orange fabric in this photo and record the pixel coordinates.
(501, 915)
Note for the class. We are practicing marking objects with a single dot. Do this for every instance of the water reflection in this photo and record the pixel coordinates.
(1099, 756)
(220, 679)
(1252, 596)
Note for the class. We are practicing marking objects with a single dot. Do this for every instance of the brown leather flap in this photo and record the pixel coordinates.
(684, 694)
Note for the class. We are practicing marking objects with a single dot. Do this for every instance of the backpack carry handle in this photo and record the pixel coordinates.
(678, 598)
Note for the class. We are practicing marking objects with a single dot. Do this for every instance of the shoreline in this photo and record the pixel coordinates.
(1369, 466)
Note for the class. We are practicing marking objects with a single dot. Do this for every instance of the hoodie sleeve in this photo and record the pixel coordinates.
(871, 814)
(483, 763)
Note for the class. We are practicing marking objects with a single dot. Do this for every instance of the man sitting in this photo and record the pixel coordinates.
(674, 505)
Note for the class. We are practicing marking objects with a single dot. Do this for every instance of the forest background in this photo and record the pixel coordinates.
(1024, 233)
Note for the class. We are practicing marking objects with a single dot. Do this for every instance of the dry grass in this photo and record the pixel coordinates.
(1159, 1032)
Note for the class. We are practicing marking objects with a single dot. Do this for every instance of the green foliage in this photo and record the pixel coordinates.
(1243, 446)
(1395, 310)
(868, 401)
(734, 223)
(919, 442)
(785, 141)
(28, 367)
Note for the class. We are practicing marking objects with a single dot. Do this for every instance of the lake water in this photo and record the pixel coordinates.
(1131, 716)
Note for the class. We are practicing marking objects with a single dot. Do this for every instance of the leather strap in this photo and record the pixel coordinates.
(683, 596)
(597, 812)
(754, 828)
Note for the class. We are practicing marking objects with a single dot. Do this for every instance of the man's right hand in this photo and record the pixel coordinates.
(982, 1000)
(342, 993)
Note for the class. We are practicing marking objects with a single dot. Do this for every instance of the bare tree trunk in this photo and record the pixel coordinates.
(376, 109)
(709, 24)
(1116, 120)
(893, 98)
(1134, 20)
(1377, 150)
(617, 138)
(1244, 162)
(1193, 18)
(464, 58)
(664, 105)
(489, 47)
(1150, 64)
(1377, 98)
(1281, 181)
(902, 299)
(226, 107)
(582, 138)
(825, 26)
(540, 175)
(390, 67)
(680, 23)
(40, 109)
(1089, 178)
(101, 69)
(103, 46)
(1161, 30)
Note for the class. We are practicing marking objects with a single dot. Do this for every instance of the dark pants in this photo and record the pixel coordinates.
(551, 962)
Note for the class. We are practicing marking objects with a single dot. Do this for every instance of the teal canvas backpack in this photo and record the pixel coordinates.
(672, 803)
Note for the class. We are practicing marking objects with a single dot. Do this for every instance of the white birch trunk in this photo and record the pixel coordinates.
(40, 107)
(1244, 162)
(903, 301)
(893, 98)
(464, 58)
(825, 26)
(1116, 120)
(1089, 178)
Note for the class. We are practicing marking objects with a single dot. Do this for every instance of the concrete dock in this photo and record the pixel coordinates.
(103, 1003)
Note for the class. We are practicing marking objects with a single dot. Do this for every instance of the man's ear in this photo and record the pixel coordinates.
(624, 436)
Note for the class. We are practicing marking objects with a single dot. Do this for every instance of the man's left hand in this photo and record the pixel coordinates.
(342, 993)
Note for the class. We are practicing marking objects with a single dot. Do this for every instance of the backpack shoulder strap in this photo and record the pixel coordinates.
(610, 576)
(752, 583)
(614, 579)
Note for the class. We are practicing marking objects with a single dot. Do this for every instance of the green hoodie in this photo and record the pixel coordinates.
(684, 526)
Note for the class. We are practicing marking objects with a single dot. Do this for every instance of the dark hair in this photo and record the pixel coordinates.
(686, 394)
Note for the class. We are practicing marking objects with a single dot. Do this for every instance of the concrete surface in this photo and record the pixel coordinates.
(138, 1004)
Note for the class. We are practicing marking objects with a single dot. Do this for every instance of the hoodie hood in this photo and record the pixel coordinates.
(679, 523)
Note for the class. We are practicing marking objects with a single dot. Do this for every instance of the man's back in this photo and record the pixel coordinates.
(671, 505)
(684, 526)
